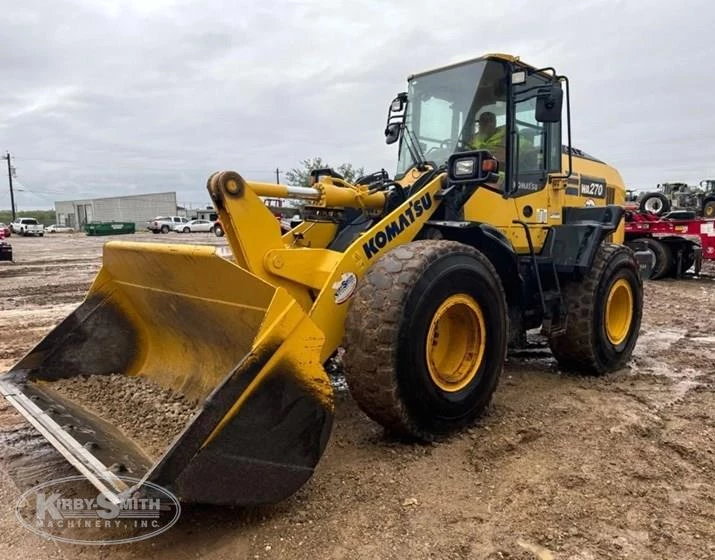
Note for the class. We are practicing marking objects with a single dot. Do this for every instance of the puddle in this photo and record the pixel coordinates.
(684, 386)
(658, 354)
(658, 341)
(703, 339)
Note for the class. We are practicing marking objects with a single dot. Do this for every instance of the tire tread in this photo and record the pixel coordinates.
(378, 307)
(575, 348)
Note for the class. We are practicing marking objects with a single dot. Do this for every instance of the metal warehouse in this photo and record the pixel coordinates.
(135, 208)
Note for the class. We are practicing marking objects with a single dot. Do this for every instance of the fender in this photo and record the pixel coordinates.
(488, 240)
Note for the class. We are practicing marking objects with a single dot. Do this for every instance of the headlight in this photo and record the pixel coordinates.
(474, 167)
(464, 167)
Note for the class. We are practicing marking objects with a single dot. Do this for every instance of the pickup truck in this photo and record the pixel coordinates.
(165, 224)
(27, 226)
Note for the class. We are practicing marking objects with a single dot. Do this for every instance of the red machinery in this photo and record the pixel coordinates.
(677, 243)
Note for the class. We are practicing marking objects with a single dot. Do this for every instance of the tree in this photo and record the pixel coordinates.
(45, 217)
(350, 173)
(299, 176)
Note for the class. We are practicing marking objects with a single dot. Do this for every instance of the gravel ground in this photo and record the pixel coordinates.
(157, 415)
(561, 466)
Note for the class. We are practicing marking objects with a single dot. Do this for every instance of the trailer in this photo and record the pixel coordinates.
(678, 241)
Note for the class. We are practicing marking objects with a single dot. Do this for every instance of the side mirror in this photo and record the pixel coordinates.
(396, 118)
(549, 101)
(475, 167)
(392, 133)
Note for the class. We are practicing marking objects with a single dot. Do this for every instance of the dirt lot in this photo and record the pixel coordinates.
(561, 467)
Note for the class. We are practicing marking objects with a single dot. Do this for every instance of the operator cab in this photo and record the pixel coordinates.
(493, 103)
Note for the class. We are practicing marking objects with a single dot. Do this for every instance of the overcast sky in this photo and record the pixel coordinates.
(108, 97)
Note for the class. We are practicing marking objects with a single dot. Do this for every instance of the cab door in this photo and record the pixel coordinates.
(534, 153)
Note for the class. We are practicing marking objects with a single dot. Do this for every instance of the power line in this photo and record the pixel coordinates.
(29, 189)
(112, 165)
(63, 192)
(24, 185)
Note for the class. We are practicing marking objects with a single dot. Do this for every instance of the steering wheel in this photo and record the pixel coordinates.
(440, 153)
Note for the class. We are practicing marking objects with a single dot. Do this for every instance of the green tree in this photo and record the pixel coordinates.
(350, 173)
(299, 176)
(45, 217)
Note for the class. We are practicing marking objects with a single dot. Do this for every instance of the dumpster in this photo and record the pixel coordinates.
(109, 228)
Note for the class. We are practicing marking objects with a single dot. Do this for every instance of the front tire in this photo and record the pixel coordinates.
(218, 231)
(425, 338)
(604, 312)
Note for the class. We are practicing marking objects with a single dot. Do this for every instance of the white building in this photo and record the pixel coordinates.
(137, 208)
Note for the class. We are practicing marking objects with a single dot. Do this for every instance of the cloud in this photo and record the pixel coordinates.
(110, 97)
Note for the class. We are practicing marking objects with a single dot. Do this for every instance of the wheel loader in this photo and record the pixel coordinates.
(424, 279)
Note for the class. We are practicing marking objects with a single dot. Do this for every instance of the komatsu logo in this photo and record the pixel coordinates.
(396, 227)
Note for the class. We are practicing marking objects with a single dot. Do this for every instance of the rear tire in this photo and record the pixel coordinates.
(603, 320)
(164, 229)
(688, 260)
(709, 209)
(663, 258)
(687, 256)
(425, 338)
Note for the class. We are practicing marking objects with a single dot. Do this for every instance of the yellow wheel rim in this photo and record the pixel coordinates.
(619, 311)
(710, 210)
(456, 342)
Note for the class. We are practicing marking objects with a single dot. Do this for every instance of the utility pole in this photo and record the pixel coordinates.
(278, 176)
(9, 178)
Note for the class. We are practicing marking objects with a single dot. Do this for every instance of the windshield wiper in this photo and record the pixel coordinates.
(415, 149)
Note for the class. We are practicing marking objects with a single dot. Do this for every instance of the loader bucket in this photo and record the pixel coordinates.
(192, 324)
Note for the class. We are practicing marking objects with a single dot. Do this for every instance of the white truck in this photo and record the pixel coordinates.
(165, 224)
(27, 226)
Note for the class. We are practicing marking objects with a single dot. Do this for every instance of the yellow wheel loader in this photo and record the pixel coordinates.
(424, 278)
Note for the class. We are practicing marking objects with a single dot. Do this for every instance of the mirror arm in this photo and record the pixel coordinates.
(569, 151)
(568, 122)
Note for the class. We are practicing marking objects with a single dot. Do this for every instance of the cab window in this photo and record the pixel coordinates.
(530, 136)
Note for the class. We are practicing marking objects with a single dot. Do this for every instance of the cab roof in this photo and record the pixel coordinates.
(489, 56)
